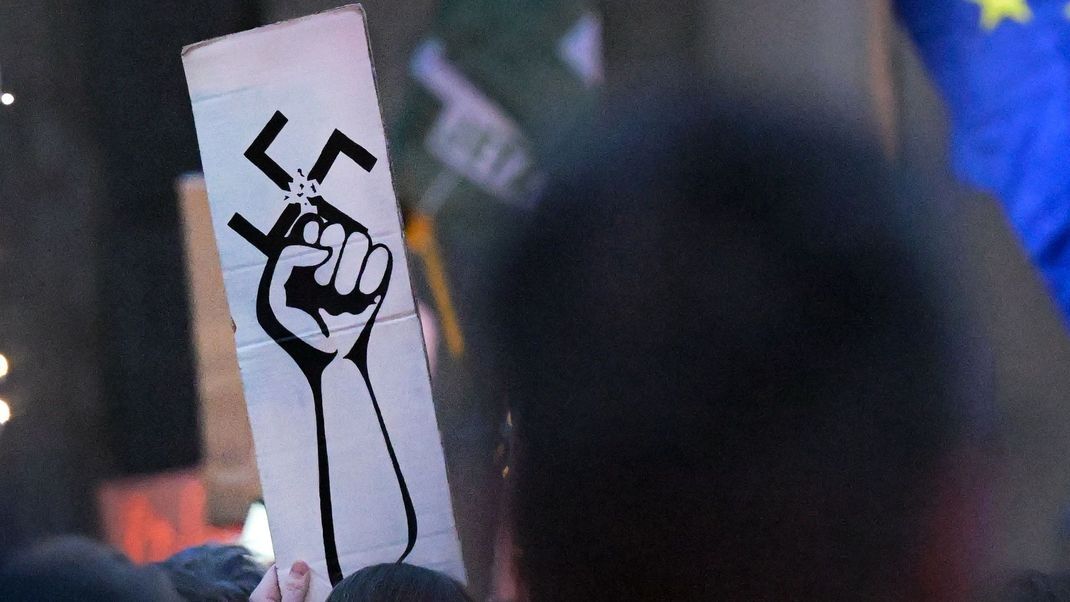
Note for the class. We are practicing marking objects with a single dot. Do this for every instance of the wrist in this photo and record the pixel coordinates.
(340, 370)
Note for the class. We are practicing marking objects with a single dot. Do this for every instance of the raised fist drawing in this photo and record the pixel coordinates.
(323, 281)
(319, 295)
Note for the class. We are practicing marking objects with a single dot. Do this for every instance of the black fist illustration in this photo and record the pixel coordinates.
(325, 280)
(323, 285)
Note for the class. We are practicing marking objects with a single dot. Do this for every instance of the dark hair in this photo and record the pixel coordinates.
(213, 573)
(1034, 586)
(77, 569)
(398, 582)
(732, 366)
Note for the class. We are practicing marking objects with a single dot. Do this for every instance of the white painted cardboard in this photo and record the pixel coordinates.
(317, 72)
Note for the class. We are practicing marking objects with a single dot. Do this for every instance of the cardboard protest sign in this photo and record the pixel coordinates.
(329, 342)
(227, 465)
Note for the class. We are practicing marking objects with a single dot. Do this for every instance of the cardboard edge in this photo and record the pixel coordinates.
(464, 578)
(356, 7)
(359, 10)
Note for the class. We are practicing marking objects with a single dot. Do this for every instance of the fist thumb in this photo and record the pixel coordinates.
(301, 256)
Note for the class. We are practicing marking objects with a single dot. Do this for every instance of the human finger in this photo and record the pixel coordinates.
(268, 588)
(296, 583)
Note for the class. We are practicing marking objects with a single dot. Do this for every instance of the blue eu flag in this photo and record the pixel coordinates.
(1003, 68)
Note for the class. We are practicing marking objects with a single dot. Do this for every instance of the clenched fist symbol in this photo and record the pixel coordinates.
(323, 279)
(321, 290)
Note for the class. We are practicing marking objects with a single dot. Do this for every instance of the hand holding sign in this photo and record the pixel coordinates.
(326, 325)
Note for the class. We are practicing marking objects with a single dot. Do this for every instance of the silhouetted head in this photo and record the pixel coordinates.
(398, 582)
(213, 573)
(1034, 586)
(735, 370)
(75, 569)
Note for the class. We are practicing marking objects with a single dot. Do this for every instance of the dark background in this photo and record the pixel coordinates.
(93, 311)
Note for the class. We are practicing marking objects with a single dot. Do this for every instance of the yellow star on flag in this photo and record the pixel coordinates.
(993, 12)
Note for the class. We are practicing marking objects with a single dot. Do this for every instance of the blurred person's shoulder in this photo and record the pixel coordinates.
(72, 568)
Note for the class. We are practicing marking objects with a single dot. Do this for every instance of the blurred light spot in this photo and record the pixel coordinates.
(5, 412)
(4, 365)
(255, 535)
(7, 98)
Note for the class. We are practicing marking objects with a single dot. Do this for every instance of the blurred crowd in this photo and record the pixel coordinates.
(735, 374)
